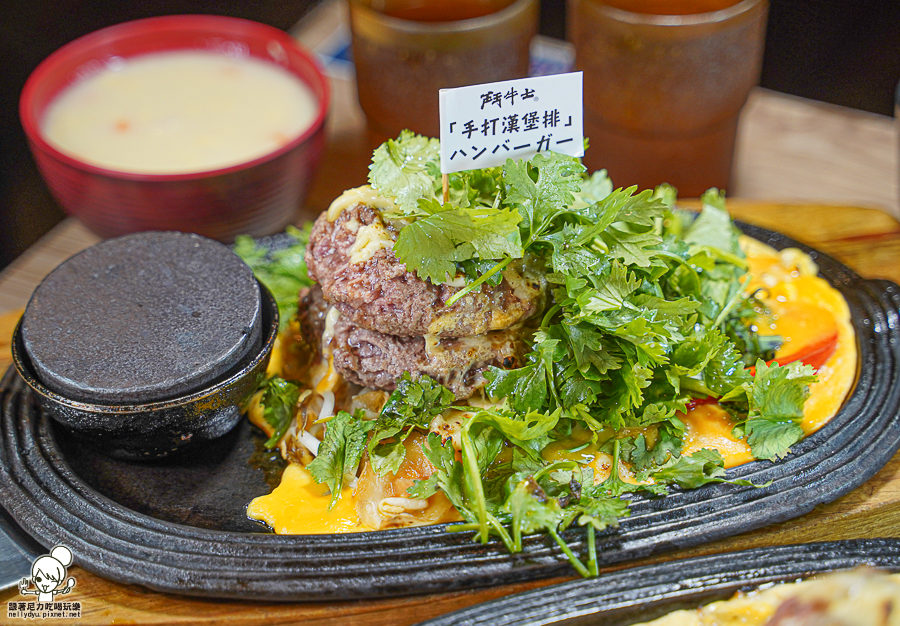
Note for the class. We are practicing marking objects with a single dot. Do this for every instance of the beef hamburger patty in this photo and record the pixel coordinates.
(373, 359)
(353, 260)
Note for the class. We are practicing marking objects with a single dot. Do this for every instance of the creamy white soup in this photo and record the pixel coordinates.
(179, 112)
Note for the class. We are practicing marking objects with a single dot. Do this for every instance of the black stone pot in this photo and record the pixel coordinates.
(157, 429)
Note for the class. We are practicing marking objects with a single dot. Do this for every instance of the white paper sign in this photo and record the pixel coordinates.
(483, 125)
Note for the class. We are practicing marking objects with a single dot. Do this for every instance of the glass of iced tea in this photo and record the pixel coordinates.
(405, 51)
(664, 82)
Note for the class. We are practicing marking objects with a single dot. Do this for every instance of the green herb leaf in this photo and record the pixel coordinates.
(610, 293)
(413, 404)
(279, 401)
(689, 472)
(473, 268)
(526, 387)
(632, 248)
(282, 271)
(531, 387)
(725, 371)
(401, 169)
(531, 510)
(540, 200)
(594, 188)
(569, 257)
(774, 400)
(713, 227)
(669, 442)
(448, 475)
(433, 245)
(601, 513)
(770, 439)
(340, 452)
(779, 392)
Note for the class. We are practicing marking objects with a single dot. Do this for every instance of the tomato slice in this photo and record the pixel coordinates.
(814, 354)
(695, 402)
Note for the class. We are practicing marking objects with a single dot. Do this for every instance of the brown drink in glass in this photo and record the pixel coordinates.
(405, 51)
(664, 83)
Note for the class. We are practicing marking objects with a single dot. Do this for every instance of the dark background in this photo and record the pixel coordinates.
(840, 51)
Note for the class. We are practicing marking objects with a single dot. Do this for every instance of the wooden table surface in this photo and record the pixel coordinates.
(803, 168)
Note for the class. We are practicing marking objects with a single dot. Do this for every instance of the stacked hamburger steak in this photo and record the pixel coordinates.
(380, 320)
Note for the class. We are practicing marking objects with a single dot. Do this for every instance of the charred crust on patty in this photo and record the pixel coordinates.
(373, 359)
(379, 294)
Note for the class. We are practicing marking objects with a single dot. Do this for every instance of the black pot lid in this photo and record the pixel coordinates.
(142, 318)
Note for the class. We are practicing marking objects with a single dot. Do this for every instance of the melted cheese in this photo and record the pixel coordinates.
(709, 426)
(299, 506)
(805, 305)
(433, 347)
(331, 318)
(359, 195)
(276, 358)
(370, 239)
(523, 277)
(330, 379)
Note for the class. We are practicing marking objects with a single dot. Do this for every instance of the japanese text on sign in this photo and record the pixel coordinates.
(483, 125)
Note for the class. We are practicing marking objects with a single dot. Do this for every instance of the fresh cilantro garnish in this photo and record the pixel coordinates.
(282, 271)
(541, 189)
(404, 169)
(712, 229)
(433, 245)
(647, 312)
(340, 452)
(279, 400)
(413, 404)
(773, 402)
(448, 475)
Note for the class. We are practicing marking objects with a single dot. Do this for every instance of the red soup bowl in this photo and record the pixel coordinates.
(257, 197)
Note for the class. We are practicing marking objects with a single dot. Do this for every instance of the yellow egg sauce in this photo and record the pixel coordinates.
(805, 311)
(299, 506)
(709, 426)
(805, 308)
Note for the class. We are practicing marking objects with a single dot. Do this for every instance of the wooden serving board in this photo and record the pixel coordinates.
(866, 240)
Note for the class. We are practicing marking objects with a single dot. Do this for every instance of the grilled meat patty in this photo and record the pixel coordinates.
(373, 359)
(353, 261)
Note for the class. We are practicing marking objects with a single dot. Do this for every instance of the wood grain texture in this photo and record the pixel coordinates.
(866, 240)
(792, 149)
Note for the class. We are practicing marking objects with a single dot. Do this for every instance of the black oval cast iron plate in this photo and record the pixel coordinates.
(641, 594)
(178, 526)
